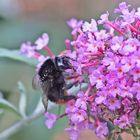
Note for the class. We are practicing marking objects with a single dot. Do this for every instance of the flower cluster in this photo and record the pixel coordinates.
(108, 60)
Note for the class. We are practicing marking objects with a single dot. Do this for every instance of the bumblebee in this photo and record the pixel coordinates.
(51, 79)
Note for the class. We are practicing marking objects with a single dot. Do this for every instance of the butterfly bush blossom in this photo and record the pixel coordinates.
(108, 60)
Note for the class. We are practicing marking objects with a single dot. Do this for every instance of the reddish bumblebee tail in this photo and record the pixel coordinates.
(66, 99)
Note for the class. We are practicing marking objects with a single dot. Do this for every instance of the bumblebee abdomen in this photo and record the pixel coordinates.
(53, 94)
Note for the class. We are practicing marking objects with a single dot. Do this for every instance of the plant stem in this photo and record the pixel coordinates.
(39, 111)
(19, 125)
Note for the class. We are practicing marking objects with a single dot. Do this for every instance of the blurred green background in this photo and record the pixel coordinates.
(23, 20)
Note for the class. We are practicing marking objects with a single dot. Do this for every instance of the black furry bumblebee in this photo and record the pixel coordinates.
(51, 79)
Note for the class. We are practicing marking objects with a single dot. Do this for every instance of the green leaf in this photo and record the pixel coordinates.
(111, 130)
(110, 126)
(137, 138)
(8, 106)
(15, 55)
(138, 116)
(22, 100)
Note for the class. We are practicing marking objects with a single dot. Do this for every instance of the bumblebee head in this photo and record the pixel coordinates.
(63, 63)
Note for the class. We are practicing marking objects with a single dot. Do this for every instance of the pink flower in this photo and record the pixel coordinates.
(117, 43)
(91, 27)
(103, 18)
(50, 120)
(75, 25)
(127, 64)
(78, 115)
(123, 8)
(136, 90)
(125, 92)
(115, 89)
(42, 41)
(136, 58)
(101, 35)
(97, 78)
(113, 103)
(111, 78)
(129, 47)
(137, 14)
(111, 61)
(101, 97)
(136, 73)
(122, 122)
(81, 102)
(27, 49)
(73, 133)
(70, 106)
(101, 130)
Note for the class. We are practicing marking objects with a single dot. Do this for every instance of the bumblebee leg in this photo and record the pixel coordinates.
(69, 86)
(69, 97)
(45, 101)
(66, 99)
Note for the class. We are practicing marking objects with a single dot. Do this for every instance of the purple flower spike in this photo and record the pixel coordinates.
(105, 72)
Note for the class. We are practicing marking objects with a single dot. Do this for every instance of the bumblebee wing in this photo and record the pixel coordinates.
(45, 87)
(36, 83)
